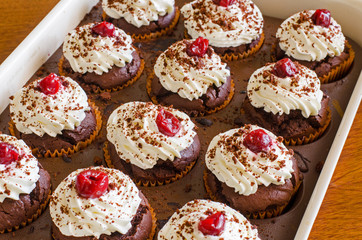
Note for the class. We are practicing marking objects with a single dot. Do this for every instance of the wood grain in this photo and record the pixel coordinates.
(340, 216)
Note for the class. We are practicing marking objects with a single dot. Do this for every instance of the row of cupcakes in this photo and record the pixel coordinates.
(243, 165)
(54, 116)
(102, 55)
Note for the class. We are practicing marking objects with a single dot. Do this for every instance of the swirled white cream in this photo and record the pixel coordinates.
(189, 77)
(132, 129)
(18, 177)
(281, 95)
(139, 12)
(88, 52)
(301, 39)
(32, 111)
(240, 168)
(112, 212)
(232, 26)
(183, 224)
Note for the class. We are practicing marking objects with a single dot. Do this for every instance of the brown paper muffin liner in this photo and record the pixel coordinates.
(153, 35)
(337, 72)
(35, 216)
(154, 224)
(312, 137)
(191, 113)
(273, 212)
(242, 55)
(147, 183)
(98, 89)
(75, 148)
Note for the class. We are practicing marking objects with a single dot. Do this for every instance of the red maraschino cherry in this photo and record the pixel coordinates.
(167, 123)
(257, 141)
(50, 85)
(105, 29)
(285, 68)
(198, 47)
(8, 153)
(224, 3)
(322, 17)
(91, 183)
(213, 224)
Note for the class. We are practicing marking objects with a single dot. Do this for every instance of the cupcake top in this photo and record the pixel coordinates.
(143, 133)
(49, 105)
(246, 157)
(78, 215)
(279, 95)
(230, 26)
(138, 13)
(97, 47)
(19, 170)
(190, 76)
(302, 38)
(187, 223)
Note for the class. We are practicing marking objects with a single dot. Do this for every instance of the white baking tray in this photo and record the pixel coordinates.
(46, 38)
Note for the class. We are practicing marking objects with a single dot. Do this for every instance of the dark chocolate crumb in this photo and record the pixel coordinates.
(31, 229)
(66, 158)
(243, 91)
(105, 96)
(97, 161)
(204, 121)
(238, 121)
(319, 166)
(188, 188)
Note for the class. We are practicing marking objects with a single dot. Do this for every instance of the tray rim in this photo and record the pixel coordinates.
(31, 50)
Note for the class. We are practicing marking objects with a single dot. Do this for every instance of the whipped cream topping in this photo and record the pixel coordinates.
(232, 26)
(240, 168)
(112, 212)
(184, 223)
(88, 52)
(281, 95)
(187, 76)
(301, 39)
(18, 177)
(140, 12)
(32, 111)
(132, 129)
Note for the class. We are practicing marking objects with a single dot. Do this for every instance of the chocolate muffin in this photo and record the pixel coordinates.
(205, 219)
(315, 39)
(190, 76)
(155, 145)
(100, 203)
(100, 57)
(143, 20)
(53, 116)
(285, 98)
(24, 185)
(233, 28)
(251, 170)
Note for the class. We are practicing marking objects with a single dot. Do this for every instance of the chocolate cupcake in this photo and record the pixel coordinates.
(100, 203)
(204, 219)
(155, 145)
(191, 77)
(100, 57)
(24, 185)
(233, 28)
(285, 98)
(251, 170)
(315, 39)
(143, 20)
(54, 117)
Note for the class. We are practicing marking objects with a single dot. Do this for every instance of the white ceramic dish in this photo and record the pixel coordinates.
(38, 47)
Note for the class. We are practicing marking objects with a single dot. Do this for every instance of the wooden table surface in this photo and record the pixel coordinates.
(340, 216)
